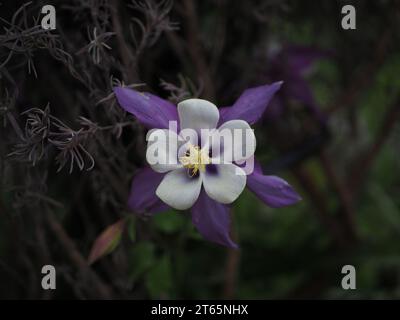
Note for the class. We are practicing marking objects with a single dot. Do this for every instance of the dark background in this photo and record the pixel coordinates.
(68, 151)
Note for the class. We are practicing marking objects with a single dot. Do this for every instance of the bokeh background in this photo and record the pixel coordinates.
(68, 151)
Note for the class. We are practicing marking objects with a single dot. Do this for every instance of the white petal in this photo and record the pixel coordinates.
(178, 190)
(197, 114)
(162, 150)
(225, 184)
(238, 141)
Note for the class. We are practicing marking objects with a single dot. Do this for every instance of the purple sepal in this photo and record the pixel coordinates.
(272, 190)
(212, 220)
(251, 104)
(148, 109)
(143, 198)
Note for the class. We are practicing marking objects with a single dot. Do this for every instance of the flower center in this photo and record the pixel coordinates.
(195, 160)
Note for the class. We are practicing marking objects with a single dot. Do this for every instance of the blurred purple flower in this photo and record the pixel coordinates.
(210, 216)
(291, 64)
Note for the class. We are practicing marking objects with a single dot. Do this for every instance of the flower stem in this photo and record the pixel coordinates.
(232, 265)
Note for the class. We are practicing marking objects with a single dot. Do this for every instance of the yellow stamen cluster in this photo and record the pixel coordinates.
(195, 160)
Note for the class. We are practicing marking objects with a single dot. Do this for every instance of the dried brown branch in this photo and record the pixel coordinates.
(101, 289)
(364, 77)
(361, 168)
(127, 56)
(231, 268)
(196, 50)
(319, 200)
(344, 195)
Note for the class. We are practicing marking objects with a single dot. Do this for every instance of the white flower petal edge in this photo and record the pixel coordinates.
(238, 150)
(178, 190)
(226, 184)
(161, 152)
(197, 114)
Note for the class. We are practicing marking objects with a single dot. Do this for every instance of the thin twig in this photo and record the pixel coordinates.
(128, 59)
(80, 262)
(196, 50)
(343, 193)
(362, 167)
(364, 78)
(319, 201)
(231, 268)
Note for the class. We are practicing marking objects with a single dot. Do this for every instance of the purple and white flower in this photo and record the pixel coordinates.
(200, 155)
(197, 175)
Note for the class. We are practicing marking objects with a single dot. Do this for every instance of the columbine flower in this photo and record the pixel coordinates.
(197, 178)
(201, 161)
(291, 64)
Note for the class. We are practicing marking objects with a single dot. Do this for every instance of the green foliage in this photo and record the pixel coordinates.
(142, 257)
(170, 222)
(159, 279)
(152, 268)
